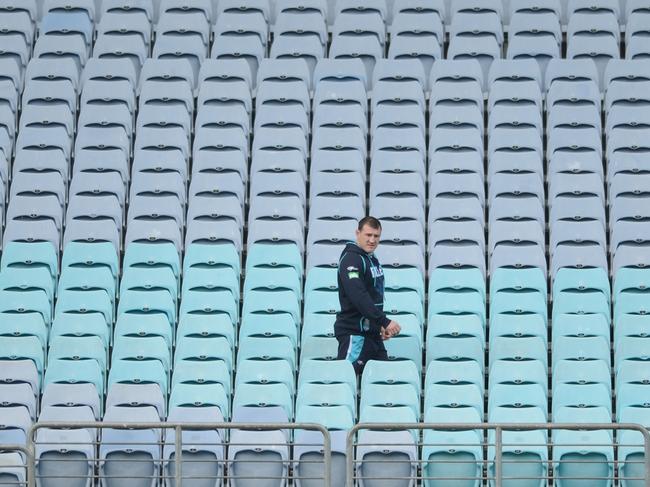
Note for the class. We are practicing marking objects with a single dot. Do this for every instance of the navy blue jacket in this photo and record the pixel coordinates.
(361, 293)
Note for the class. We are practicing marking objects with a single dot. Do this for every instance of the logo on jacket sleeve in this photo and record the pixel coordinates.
(353, 272)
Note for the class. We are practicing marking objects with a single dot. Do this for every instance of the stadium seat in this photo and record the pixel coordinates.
(203, 450)
(258, 454)
(452, 454)
(133, 453)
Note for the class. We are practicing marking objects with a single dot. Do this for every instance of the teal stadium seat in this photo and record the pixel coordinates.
(462, 302)
(631, 454)
(524, 453)
(328, 372)
(383, 454)
(211, 303)
(629, 325)
(630, 279)
(321, 278)
(30, 278)
(203, 372)
(450, 348)
(206, 323)
(91, 256)
(518, 396)
(271, 255)
(517, 325)
(446, 395)
(86, 302)
(152, 279)
(258, 372)
(283, 278)
(267, 350)
(272, 302)
(390, 396)
(391, 373)
(332, 417)
(24, 325)
(585, 456)
(88, 278)
(455, 325)
(141, 301)
(37, 302)
(128, 371)
(516, 349)
(322, 348)
(21, 254)
(631, 349)
(78, 348)
(634, 303)
(213, 276)
(581, 302)
(404, 302)
(143, 348)
(261, 326)
(205, 349)
(322, 301)
(455, 455)
(525, 373)
(318, 325)
(22, 349)
(575, 324)
(144, 325)
(581, 348)
(212, 395)
(457, 279)
(506, 278)
(448, 372)
(409, 348)
(212, 255)
(141, 255)
(406, 279)
(326, 395)
(578, 279)
(263, 396)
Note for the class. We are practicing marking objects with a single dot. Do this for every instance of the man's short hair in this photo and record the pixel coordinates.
(371, 221)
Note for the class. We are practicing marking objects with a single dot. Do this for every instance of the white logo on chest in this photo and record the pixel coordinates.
(376, 271)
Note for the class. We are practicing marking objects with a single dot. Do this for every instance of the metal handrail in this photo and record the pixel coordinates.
(28, 450)
(498, 428)
(178, 428)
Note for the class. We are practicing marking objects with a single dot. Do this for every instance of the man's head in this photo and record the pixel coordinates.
(368, 233)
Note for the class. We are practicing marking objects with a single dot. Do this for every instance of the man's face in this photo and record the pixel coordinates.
(368, 238)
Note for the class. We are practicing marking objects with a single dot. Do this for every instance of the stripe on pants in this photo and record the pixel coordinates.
(354, 348)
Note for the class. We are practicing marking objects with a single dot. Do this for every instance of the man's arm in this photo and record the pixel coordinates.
(351, 270)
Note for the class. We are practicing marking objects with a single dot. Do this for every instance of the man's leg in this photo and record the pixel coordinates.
(353, 348)
(380, 352)
(373, 349)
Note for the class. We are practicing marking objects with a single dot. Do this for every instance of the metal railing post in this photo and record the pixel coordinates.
(31, 463)
(178, 454)
(327, 460)
(349, 456)
(498, 456)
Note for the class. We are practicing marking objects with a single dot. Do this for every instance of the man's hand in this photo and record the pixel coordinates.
(391, 330)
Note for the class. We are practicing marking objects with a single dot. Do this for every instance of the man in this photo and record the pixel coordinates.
(362, 326)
